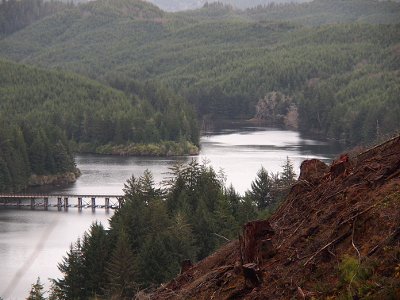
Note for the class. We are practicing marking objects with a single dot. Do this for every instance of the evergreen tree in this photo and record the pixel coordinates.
(182, 238)
(72, 285)
(261, 191)
(247, 210)
(156, 261)
(37, 155)
(121, 270)
(225, 223)
(204, 230)
(283, 181)
(64, 162)
(36, 292)
(5, 177)
(95, 254)
(288, 176)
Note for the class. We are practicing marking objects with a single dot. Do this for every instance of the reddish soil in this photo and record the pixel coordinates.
(336, 235)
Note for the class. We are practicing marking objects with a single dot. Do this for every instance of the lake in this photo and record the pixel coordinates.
(32, 242)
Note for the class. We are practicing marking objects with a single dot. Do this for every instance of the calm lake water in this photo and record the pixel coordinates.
(32, 242)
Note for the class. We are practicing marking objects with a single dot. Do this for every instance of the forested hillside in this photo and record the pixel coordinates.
(17, 14)
(43, 112)
(325, 77)
(339, 79)
(329, 11)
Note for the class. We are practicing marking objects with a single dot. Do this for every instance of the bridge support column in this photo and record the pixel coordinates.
(80, 203)
(120, 202)
(18, 202)
(45, 202)
(33, 203)
(66, 202)
(93, 203)
(59, 203)
(107, 203)
(5, 202)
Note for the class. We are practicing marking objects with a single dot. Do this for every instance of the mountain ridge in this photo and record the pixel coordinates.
(229, 67)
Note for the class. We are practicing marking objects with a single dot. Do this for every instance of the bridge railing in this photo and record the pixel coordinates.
(62, 201)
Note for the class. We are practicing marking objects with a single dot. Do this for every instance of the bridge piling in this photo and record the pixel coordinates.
(59, 203)
(80, 203)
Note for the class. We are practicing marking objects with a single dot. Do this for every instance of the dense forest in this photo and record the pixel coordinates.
(17, 14)
(46, 115)
(156, 229)
(324, 77)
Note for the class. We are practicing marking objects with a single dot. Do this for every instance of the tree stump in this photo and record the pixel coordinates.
(186, 265)
(251, 274)
(253, 233)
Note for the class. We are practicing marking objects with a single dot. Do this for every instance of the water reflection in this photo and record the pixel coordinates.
(239, 152)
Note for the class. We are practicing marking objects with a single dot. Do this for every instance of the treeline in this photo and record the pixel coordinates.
(157, 228)
(39, 150)
(309, 13)
(48, 114)
(319, 12)
(18, 14)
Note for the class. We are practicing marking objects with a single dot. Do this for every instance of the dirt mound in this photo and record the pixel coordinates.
(337, 234)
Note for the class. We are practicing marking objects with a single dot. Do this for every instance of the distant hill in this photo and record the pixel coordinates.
(228, 65)
(16, 15)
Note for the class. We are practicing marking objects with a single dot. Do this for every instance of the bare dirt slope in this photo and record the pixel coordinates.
(336, 236)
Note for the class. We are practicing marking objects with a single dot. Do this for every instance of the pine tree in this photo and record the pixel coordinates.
(36, 292)
(37, 155)
(95, 254)
(261, 191)
(121, 270)
(284, 181)
(225, 223)
(156, 260)
(288, 175)
(182, 238)
(72, 286)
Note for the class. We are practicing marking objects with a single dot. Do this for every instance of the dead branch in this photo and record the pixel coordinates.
(221, 236)
(352, 242)
(334, 242)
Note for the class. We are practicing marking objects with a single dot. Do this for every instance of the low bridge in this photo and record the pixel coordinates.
(62, 201)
